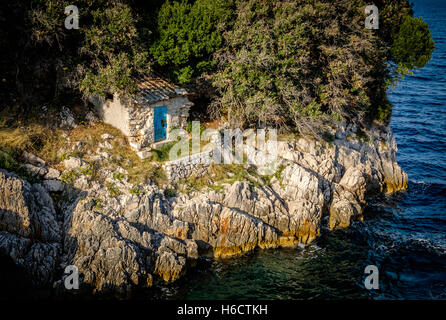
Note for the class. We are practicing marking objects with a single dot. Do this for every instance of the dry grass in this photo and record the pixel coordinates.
(43, 140)
(31, 137)
(139, 171)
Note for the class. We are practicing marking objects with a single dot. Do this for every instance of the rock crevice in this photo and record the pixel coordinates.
(129, 239)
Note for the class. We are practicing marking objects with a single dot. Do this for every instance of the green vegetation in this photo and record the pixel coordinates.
(99, 57)
(136, 190)
(188, 36)
(7, 162)
(145, 172)
(362, 136)
(69, 176)
(412, 46)
(301, 64)
(221, 174)
(275, 175)
(97, 203)
(118, 176)
(112, 189)
(18, 135)
(295, 64)
(328, 137)
(168, 193)
(161, 154)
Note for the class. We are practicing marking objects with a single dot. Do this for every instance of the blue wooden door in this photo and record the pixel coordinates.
(160, 123)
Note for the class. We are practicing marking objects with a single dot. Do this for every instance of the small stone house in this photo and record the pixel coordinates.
(148, 116)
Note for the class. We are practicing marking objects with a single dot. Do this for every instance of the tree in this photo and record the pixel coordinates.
(188, 35)
(45, 59)
(412, 46)
(103, 54)
(301, 64)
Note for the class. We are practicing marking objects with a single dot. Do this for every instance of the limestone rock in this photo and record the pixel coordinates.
(123, 240)
(52, 174)
(67, 119)
(29, 231)
(30, 158)
(73, 163)
(34, 170)
(53, 185)
(107, 136)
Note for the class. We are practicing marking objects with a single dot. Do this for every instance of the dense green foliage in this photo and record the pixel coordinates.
(412, 46)
(298, 64)
(293, 63)
(102, 55)
(188, 35)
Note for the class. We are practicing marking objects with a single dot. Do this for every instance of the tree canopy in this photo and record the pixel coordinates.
(297, 64)
(292, 63)
(189, 33)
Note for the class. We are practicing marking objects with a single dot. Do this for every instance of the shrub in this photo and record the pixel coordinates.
(188, 36)
(8, 163)
(112, 189)
(412, 46)
(300, 64)
(118, 176)
(69, 176)
(168, 193)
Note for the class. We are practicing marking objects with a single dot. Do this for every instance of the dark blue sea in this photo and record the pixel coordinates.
(404, 235)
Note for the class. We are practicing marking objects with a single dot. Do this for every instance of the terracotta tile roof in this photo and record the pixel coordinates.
(152, 88)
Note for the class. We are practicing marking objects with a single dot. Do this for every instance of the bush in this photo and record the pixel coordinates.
(299, 64)
(8, 163)
(413, 45)
(188, 36)
(169, 193)
(112, 189)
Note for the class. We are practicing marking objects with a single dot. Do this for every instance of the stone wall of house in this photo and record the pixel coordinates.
(141, 126)
(113, 112)
(141, 120)
(177, 112)
(196, 164)
(136, 120)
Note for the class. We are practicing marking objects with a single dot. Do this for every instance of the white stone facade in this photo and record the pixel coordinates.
(136, 119)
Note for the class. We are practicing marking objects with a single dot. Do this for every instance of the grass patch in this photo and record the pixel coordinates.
(112, 189)
(161, 154)
(69, 176)
(276, 175)
(36, 138)
(139, 171)
(144, 171)
(118, 176)
(8, 163)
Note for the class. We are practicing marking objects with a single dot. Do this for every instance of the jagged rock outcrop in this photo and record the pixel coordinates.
(122, 239)
(29, 231)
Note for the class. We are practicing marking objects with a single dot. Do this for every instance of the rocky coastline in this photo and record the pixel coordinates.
(144, 238)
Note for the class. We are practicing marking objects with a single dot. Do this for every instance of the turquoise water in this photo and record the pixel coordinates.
(404, 234)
